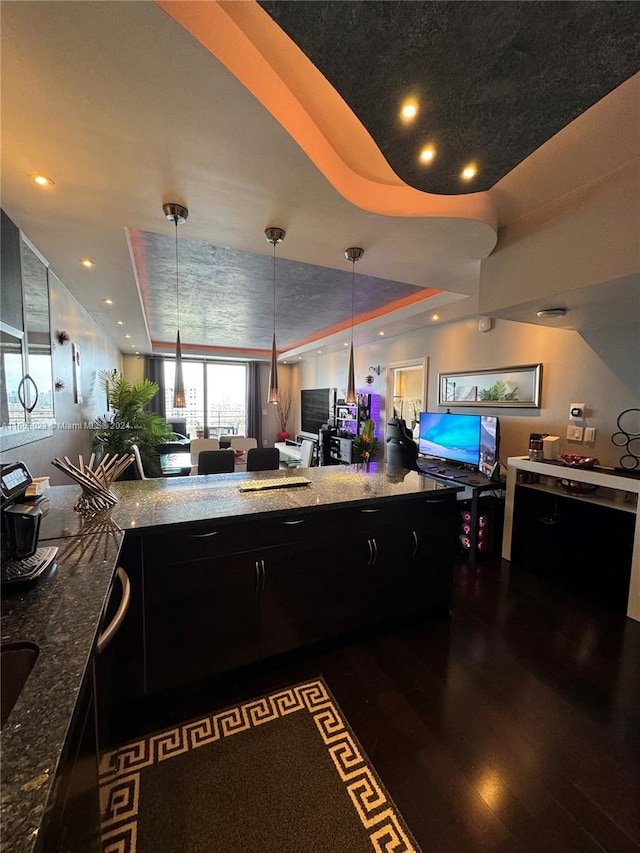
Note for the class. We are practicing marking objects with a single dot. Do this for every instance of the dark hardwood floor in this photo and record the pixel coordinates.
(512, 726)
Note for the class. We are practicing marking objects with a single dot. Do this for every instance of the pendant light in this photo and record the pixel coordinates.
(177, 214)
(353, 254)
(274, 236)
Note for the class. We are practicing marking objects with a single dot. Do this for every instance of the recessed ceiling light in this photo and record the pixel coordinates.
(435, 316)
(469, 172)
(120, 322)
(409, 110)
(319, 352)
(108, 301)
(346, 343)
(381, 334)
(551, 312)
(127, 336)
(133, 346)
(42, 180)
(427, 154)
(299, 358)
(87, 262)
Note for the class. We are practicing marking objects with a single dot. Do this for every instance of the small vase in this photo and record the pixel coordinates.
(283, 435)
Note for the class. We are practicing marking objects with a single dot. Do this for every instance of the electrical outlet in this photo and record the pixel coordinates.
(590, 434)
(574, 433)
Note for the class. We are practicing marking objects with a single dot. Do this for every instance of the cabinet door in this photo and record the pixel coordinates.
(362, 588)
(435, 523)
(73, 822)
(292, 596)
(201, 618)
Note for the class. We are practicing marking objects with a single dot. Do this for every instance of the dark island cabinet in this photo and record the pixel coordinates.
(436, 526)
(201, 618)
(217, 597)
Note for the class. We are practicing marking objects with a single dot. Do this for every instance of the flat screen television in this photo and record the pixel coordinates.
(454, 438)
(317, 405)
(489, 443)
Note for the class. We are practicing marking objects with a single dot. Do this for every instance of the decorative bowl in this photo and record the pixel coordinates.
(574, 487)
(574, 460)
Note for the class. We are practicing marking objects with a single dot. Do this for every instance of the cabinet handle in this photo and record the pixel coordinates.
(437, 501)
(415, 546)
(258, 575)
(264, 574)
(109, 633)
(370, 560)
(204, 535)
(370, 510)
(23, 402)
(298, 521)
(375, 552)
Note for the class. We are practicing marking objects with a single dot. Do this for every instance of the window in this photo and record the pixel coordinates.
(216, 396)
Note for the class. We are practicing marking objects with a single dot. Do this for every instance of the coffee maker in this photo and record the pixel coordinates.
(22, 560)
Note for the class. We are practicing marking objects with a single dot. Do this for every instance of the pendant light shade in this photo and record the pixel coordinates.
(274, 236)
(178, 215)
(353, 254)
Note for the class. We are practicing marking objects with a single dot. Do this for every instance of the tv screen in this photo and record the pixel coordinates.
(489, 443)
(316, 407)
(455, 438)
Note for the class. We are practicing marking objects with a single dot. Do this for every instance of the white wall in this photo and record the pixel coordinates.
(602, 370)
(72, 435)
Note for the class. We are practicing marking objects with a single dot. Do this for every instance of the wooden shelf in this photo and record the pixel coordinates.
(608, 500)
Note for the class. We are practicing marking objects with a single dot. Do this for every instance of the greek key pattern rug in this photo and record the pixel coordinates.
(280, 773)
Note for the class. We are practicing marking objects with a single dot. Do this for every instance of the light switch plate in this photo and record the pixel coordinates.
(574, 433)
(590, 434)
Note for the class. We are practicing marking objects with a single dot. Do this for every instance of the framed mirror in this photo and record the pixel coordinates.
(513, 387)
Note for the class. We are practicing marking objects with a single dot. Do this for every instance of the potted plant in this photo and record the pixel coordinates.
(366, 445)
(199, 431)
(284, 410)
(127, 421)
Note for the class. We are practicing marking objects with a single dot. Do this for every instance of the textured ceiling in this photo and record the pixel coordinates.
(494, 80)
(226, 295)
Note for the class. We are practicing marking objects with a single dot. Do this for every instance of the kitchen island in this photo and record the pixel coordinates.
(220, 578)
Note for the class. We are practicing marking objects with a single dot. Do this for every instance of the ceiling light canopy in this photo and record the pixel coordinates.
(274, 236)
(177, 214)
(551, 312)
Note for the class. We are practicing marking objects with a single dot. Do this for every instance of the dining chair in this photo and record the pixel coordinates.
(196, 447)
(241, 446)
(216, 462)
(138, 468)
(306, 453)
(263, 459)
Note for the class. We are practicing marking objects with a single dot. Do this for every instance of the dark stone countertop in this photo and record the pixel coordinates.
(167, 501)
(61, 613)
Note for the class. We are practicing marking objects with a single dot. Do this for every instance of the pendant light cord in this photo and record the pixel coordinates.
(175, 219)
(353, 294)
(274, 288)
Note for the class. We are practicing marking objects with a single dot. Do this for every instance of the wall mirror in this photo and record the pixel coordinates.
(514, 387)
(26, 370)
(407, 390)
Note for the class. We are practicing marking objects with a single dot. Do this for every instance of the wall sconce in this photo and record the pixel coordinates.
(369, 378)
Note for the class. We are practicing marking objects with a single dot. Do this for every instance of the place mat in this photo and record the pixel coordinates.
(281, 773)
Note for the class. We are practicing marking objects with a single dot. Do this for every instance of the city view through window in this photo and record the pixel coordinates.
(216, 396)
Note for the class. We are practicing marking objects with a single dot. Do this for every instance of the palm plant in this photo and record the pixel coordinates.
(128, 422)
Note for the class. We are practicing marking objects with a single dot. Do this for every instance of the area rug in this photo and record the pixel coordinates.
(281, 773)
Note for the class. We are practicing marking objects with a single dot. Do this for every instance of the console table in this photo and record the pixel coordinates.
(616, 491)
